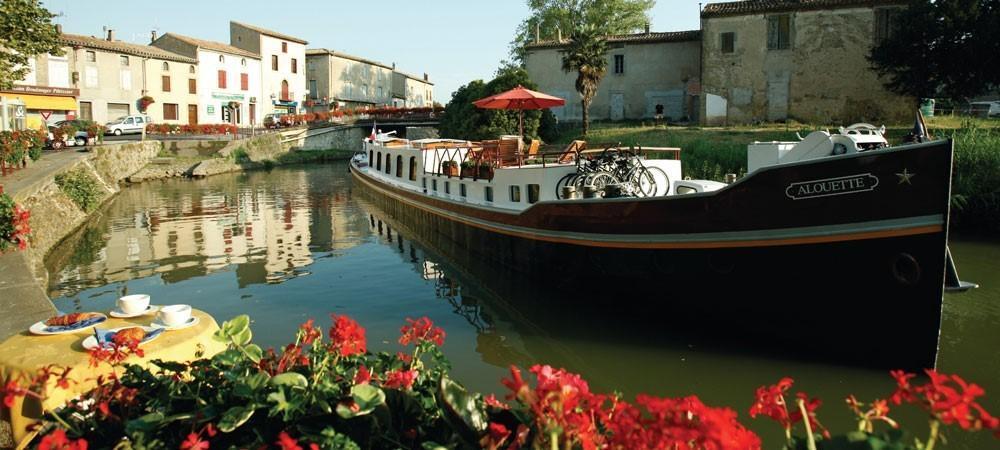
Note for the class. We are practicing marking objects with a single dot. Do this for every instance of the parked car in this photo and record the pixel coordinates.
(128, 125)
(984, 109)
(78, 139)
(273, 120)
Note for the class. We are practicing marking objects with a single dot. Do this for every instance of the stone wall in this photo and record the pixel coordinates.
(823, 78)
(340, 138)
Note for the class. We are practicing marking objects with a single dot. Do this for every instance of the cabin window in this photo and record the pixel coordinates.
(388, 163)
(779, 32)
(378, 162)
(447, 187)
(424, 183)
(488, 193)
(728, 42)
(434, 184)
(686, 190)
(413, 170)
(461, 190)
(399, 166)
(515, 194)
(533, 191)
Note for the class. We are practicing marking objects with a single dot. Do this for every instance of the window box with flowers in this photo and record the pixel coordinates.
(469, 169)
(485, 170)
(449, 168)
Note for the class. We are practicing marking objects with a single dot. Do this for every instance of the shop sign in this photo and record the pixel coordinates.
(18, 111)
(211, 110)
(44, 90)
(226, 96)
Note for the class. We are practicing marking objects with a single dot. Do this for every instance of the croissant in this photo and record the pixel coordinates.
(126, 335)
(70, 319)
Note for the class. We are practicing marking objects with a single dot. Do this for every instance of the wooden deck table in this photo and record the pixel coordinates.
(23, 354)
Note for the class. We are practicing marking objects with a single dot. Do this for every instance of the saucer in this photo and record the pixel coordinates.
(190, 323)
(117, 313)
(90, 342)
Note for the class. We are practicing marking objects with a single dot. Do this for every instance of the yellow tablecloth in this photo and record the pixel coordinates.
(23, 354)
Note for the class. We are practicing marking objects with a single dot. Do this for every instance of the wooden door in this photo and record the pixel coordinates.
(284, 91)
(617, 106)
(777, 95)
(193, 114)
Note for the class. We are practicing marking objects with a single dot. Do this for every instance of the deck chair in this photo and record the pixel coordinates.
(569, 153)
(508, 152)
(532, 150)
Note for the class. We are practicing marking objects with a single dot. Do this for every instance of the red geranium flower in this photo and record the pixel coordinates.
(363, 376)
(400, 379)
(421, 330)
(57, 441)
(308, 333)
(286, 442)
(770, 401)
(348, 338)
(194, 442)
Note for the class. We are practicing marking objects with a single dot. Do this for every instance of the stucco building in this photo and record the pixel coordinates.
(46, 94)
(338, 80)
(283, 71)
(112, 76)
(772, 60)
(228, 82)
(644, 70)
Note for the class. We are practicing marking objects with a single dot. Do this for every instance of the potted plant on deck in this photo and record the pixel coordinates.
(485, 170)
(468, 169)
(449, 168)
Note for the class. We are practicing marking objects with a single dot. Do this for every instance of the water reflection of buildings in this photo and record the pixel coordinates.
(268, 231)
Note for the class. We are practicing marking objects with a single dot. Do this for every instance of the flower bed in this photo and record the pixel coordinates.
(208, 129)
(337, 394)
(14, 227)
(16, 147)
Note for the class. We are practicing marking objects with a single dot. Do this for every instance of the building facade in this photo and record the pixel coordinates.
(649, 74)
(113, 75)
(772, 60)
(283, 66)
(347, 81)
(46, 94)
(228, 82)
(417, 92)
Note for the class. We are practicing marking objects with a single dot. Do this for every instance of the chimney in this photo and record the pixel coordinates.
(426, 78)
(58, 29)
(152, 36)
(647, 27)
(111, 35)
(393, 66)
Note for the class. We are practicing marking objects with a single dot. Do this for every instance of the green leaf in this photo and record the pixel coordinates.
(149, 422)
(235, 417)
(432, 446)
(253, 352)
(236, 325)
(366, 398)
(292, 379)
(461, 410)
(242, 338)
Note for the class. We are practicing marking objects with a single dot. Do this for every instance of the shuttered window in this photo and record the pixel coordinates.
(169, 111)
(244, 82)
(166, 83)
(192, 86)
(728, 42)
(779, 32)
(222, 79)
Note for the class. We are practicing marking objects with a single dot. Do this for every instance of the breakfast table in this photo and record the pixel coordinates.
(22, 355)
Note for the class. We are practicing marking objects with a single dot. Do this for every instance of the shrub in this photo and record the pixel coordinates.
(13, 147)
(975, 190)
(240, 155)
(337, 394)
(14, 227)
(80, 187)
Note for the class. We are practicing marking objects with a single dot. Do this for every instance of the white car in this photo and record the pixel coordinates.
(985, 109)
(127, 125)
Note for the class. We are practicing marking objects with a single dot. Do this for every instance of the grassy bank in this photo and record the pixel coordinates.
(710, 153)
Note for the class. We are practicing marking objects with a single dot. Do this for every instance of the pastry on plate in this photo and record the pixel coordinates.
(126, 335)
(70, 319)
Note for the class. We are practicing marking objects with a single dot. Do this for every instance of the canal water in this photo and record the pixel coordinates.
(296, 242)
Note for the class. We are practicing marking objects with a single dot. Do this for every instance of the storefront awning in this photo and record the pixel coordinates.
(47, 102)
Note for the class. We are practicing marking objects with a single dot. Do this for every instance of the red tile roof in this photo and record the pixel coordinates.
(638, 38)
(213, 46)
(267, 32)
(77, 40)
(747, 7)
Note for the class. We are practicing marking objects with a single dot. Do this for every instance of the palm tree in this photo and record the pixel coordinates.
(585, 54)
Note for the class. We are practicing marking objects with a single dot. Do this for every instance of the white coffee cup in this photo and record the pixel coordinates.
(175, 315)
(133, 304)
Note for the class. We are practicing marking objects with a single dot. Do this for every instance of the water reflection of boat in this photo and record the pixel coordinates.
(821, 234)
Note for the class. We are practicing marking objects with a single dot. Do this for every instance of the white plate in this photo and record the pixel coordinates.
(190, 323)
(90, 342)
(124, 315)
(41, 328)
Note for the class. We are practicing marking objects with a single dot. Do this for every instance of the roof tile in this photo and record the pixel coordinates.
(122, 47)
(213, 46)
(269, 32)
(746, 7)
(638, 38)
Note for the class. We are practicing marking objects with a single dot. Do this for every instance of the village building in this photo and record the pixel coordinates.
(228, 82)
(112, 76)
(649, 74)
(338, 80)
(283, 71)
(774, 60)
(46, 94)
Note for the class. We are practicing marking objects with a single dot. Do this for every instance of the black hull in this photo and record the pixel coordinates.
(873, 301)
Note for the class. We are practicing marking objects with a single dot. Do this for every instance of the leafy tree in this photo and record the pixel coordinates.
(609, 16)
(26, 30)
(464, 120)
(585, 54)
(942, 49)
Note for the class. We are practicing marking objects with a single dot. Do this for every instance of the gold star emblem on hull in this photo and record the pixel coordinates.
(905, 177)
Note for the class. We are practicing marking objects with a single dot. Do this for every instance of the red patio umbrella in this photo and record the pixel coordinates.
(520, 99)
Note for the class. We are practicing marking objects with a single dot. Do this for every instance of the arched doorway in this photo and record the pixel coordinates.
(284, 91)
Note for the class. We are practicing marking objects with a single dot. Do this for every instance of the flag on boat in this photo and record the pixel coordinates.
(372, 136)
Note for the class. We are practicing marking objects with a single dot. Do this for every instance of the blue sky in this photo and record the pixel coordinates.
(454, 41)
